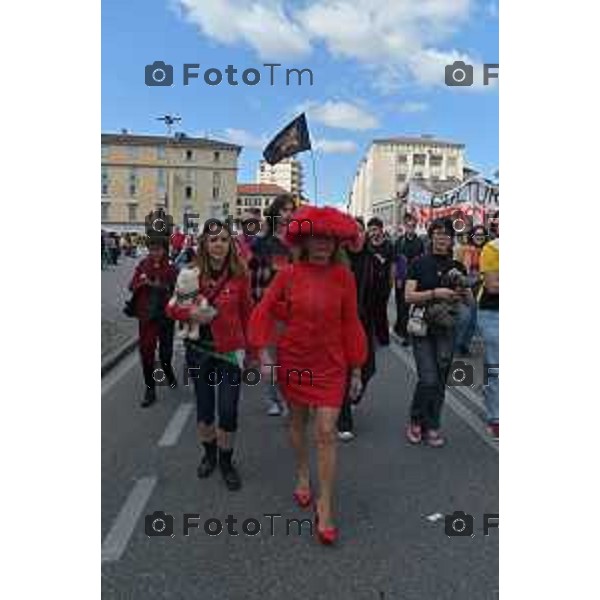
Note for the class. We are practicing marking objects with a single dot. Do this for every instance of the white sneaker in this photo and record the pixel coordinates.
(274, 410)
(345, 436)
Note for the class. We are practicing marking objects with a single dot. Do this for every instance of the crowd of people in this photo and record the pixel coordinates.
(301, 296)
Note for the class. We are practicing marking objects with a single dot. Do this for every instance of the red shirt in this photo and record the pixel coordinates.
(177, 241)
(233, 304)
(147, 271)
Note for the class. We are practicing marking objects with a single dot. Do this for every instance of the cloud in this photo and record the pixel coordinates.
(396, 43)
(429, 66)
(413, 107)
(244, 138)
(340, 115)
(263, 25)
(335, 146)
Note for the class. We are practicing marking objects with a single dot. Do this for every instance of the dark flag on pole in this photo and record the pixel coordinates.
(290, 140)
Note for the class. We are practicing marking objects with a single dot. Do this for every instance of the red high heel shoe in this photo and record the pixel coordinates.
(327, 536)
(303, 498)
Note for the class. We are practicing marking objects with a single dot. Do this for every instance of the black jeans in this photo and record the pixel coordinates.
(209, 374)
(433, 355)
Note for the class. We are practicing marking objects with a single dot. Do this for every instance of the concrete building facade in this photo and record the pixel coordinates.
(255, 195)
(181, 174)
(287, 174)
(383, 175)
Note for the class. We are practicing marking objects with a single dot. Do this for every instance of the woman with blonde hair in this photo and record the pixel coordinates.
(215, 359)
(322, 341)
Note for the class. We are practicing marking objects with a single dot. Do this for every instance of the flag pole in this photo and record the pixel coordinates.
(314, 170)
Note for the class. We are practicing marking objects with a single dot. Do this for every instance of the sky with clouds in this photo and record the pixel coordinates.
(377, 67)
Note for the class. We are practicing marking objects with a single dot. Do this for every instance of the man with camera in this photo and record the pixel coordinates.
(438, 284)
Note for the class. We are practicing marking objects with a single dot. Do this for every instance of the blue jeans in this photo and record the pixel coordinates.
(489, 325)
(465, 326)
(433, 357)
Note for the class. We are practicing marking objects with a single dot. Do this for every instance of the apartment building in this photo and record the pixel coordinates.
(181, 174)
(287, 174)
(383, 175)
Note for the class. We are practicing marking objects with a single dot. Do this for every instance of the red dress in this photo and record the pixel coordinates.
(322, 336)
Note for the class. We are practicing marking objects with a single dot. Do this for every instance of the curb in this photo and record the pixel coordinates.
(113, 359)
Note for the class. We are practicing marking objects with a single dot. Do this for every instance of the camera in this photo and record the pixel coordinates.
(159, 74)
(459, 74)
(159, 223)
(159, 524)
(455, 279)
(461, 374)
(459, 524)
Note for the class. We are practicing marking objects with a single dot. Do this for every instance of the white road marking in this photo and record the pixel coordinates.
(176, 425)
(461, 411)
(118, 537)
(110, 380)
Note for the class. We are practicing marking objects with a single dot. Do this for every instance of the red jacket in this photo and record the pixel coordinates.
(145, 272)
(229, 327)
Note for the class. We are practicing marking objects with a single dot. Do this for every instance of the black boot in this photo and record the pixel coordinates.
(229, 472)
(149, 397)
(209, 460)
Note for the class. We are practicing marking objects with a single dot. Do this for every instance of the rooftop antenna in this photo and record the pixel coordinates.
(169, 120)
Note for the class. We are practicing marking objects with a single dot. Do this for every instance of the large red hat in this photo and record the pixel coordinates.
(325, 221)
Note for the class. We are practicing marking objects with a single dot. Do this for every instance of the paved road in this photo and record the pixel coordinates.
(116, 327)
(388, 548)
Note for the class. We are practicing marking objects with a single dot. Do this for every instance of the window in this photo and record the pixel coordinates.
(402, 158)
(189, 155)
(239, 202)
(419, 159)
(435, 160)
(105, 207)
(216, 156)
(132, 182)
(401, 177)
(217, 179)
(215, 192)
(160, 152)
(418, 174)
(189, 192)
(132, 212)
(451, 161)
(105, 181)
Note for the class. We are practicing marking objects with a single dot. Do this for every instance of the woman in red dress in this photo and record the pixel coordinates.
(321, 349)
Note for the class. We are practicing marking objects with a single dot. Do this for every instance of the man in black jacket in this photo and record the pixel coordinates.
(383, 252)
